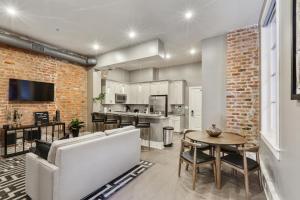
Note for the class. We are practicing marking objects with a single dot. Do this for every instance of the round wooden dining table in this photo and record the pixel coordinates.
(225, 138)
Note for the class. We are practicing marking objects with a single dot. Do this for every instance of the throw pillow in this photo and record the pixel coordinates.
(42, 149)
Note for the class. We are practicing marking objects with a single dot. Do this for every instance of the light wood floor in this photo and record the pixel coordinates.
(161, 182)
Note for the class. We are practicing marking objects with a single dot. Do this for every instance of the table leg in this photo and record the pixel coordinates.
(218, 166)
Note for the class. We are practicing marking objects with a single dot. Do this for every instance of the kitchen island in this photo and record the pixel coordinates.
(157, 122)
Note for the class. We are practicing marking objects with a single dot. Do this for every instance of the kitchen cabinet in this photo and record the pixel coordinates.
(111, 88)
(144, 93)
(132, 97)
(110, 91)
(176, 92)
(121, 88)
(159, 88)
(139, 93)
(177, 122)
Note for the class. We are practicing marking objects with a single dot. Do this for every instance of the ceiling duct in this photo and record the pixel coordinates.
(16, 41)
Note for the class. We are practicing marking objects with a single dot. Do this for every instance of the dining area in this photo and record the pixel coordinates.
(230, 151)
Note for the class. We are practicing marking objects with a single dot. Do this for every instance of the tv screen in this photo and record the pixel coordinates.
(23, 90)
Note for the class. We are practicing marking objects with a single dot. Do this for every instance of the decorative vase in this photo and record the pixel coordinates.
(213, 131)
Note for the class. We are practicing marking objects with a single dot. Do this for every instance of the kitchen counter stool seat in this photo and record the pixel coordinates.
(123, 124)
(97, 119)
(110, 124)
(145, 129)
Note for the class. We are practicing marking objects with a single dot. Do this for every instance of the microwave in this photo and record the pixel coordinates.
(121, 98)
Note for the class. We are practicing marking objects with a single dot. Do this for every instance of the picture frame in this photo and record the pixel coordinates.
(295, 85)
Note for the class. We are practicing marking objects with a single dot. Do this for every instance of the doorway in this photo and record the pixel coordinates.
(195, 108)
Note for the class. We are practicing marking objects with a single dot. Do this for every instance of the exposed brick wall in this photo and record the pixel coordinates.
(242, 84)
(70, 84)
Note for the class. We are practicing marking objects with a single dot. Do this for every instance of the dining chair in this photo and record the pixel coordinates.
(202, 146)
(231, 149)
(243, 164)
(194, 157)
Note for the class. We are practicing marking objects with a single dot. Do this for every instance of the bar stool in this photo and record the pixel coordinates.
(110, 122)
(124, 123)
(96, 120)
(145, 129)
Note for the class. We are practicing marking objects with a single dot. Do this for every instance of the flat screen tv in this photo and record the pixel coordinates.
(23, 90)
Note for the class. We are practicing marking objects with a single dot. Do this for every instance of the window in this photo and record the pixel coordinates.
(269, 78)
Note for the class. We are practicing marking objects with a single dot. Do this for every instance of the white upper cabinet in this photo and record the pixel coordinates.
(176, 92)
(110, 91)
(132, 97)
(111, 88)
(159, 88)
(144, 93)
(139, 93)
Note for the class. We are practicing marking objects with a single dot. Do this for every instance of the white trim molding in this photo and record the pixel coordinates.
(274, 149)
(268, 184)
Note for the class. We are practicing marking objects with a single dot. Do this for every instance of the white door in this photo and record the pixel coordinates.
(195, 108)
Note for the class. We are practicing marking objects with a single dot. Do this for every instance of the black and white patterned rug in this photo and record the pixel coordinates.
(12, 180)
(115, 185)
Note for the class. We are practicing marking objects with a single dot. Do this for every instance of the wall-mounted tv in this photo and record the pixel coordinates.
(24, 90)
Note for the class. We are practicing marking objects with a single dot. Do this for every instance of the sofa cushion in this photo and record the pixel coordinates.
(60, 143)
(119, 130)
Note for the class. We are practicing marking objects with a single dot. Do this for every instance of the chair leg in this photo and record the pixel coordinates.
(260, 179)
(247, 185)
(149, 138)
(179, 167)
(187, 167)
(194, 177)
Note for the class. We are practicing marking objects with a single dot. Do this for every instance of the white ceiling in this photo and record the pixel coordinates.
(81, 23)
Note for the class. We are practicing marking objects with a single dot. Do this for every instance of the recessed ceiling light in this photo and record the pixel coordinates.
(11, 11)
(168, 56)
(192, 51)
(188, 15)
(96, 46)
(132, 34)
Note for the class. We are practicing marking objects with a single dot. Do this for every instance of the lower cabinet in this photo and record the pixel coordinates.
(177, 122)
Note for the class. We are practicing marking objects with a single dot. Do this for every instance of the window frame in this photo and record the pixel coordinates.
(269, 134)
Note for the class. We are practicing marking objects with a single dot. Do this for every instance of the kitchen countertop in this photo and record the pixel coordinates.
(154, 116)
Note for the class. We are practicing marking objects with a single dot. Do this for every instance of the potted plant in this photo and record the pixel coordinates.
(100, 98)
(74, 126)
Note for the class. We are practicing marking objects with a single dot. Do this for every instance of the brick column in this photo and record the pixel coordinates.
(242, 80)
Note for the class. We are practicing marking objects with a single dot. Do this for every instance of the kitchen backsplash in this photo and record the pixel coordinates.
(178, 109)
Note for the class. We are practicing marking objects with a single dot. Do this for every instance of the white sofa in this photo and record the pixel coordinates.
(83, 166)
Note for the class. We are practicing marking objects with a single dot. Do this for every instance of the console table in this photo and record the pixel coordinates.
(29, 133)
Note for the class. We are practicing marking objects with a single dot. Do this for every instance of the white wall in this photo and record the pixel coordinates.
(284, 173)
(141, 75)
(189, 72)
(213, 81)
(119, 75)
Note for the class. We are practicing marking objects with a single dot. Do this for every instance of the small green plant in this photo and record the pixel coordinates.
(75, 125)
(100, 97)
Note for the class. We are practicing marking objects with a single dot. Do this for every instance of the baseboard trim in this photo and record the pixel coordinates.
(153, 144)
(268, 184)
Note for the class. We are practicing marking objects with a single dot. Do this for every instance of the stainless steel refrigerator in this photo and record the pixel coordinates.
(158, 104)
